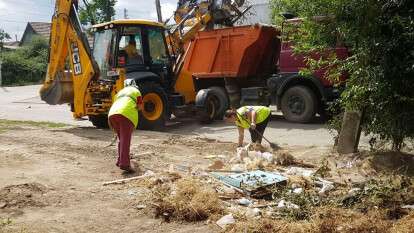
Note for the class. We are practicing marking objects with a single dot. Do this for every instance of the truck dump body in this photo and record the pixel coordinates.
(236, 52)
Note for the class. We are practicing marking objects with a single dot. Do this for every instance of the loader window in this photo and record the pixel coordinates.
(102, 50)
(130, 44)
(157, 47)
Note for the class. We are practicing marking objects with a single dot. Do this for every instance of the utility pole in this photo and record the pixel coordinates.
(158, 8)
(125, 13)
(1, 80)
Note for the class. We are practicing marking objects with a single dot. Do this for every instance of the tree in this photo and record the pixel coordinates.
(380, 36)
(97, 11)
(3, 36)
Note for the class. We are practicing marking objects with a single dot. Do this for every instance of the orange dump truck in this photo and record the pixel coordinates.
(237, 66)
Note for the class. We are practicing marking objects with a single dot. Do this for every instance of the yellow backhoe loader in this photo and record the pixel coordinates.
(143, 50)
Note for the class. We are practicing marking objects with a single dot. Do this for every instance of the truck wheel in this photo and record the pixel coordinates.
(207, 112)
(223, 101)
(99, 121)
(299, 104)
(152, 116)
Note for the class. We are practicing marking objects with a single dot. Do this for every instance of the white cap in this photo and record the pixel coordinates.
(130, 82)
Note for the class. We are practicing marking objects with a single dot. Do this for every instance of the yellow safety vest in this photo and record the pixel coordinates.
(124, 103)
(262, 113)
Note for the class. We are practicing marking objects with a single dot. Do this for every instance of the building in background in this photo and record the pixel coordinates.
(11, 45)
(35, 29)
(41, 29)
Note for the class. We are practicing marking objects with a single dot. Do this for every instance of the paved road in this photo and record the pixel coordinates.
(23, 103)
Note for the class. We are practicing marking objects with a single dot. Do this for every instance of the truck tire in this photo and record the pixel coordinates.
(99, 121)
(223, 101)
(207, 106)
(154, 111)
(299, 104)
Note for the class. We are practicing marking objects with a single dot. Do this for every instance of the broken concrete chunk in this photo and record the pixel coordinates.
(226, 220)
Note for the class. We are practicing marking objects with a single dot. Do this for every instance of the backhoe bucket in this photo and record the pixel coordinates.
(59, 91)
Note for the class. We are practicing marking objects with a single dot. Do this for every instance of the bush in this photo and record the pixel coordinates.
(380, 37)
(25, 65)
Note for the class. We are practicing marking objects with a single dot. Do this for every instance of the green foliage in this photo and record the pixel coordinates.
(25, 65)
(380, 37)
(97, 11)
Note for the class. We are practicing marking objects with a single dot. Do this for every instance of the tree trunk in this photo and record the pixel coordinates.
(350, 132)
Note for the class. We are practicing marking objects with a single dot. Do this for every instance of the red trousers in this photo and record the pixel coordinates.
(123, 128)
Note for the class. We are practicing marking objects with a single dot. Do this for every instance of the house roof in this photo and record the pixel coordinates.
(11, 44)
(41, 28)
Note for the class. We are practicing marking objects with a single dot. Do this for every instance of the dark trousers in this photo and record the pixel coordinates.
(256, 138)
(124, 129)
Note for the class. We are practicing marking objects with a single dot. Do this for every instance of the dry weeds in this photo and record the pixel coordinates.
(328, 220)
(187, 199)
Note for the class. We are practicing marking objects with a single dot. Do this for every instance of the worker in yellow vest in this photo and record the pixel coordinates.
(254, 118)
(123, 119)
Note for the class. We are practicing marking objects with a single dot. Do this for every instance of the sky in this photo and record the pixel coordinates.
(14, 14)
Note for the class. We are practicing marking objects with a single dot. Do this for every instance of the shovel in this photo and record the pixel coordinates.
(274, 146)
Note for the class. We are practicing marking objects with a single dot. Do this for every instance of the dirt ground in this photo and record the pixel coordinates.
(51, 177)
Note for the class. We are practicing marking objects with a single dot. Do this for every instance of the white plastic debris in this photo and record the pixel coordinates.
(251, 213)
(140, 207)
(299, 171)
(288, 205)
(408, 207)
(268, 157)
(354, 191)
(298, 190)
(326, 188)
(244, 201)
(149, 173)
(225, 220)
(242, 153)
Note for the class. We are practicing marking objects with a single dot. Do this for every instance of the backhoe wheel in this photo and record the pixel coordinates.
(153, 114)
(299, 104)
(99, 121)
(223, 101)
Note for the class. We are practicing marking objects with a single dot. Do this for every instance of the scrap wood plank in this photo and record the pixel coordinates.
(120, 181)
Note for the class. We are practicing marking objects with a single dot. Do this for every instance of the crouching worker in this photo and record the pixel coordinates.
(123, 119)
(254, 118)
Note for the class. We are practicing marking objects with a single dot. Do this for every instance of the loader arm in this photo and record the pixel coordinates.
(68, 47)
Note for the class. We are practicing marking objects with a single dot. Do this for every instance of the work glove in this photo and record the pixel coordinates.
(252, 126)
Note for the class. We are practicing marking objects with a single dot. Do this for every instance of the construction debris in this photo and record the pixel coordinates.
(225, 221)
(121, 181)
(254, 183)
(244, 202)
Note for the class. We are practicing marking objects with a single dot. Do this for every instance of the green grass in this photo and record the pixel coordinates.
(4, 124)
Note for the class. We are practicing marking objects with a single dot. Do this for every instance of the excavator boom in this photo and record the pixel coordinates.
(70, 64)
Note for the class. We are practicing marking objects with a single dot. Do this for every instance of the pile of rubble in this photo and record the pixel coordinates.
(272, 188)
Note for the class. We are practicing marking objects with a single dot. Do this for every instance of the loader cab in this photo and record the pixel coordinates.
(137, 46)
